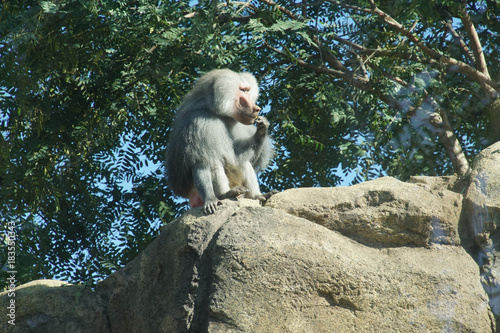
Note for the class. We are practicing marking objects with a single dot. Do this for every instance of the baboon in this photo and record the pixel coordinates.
(215, 150)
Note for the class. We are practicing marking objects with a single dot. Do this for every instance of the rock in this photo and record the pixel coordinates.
(388, 260)
(254, 269)
(164, 279)
(481, 219)
(296, 277)
(482, 201)
(452, 183)
(48, 306)
(382, 212)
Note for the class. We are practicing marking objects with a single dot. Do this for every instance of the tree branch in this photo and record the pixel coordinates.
(452, 145)
(477, 49)
(282, 9)
(437, 118)
(346, 76)
(441, 126)
(459, 40)
(460, 66)
(333, 61)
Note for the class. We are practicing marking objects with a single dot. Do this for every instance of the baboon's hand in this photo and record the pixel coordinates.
(262, 125)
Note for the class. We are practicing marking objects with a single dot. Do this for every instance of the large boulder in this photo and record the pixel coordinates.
(254, 269)
(50, 306)
(481, 219)
(382, 212)
(249, 268)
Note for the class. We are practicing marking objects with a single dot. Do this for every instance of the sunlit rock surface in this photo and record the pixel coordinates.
(481, 220)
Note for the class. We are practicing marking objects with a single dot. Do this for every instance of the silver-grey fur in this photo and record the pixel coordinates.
(212, 154)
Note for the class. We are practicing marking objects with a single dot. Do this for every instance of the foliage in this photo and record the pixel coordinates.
(352, 89)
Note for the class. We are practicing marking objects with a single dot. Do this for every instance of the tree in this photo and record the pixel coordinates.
(416, 73)
(89, 89)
